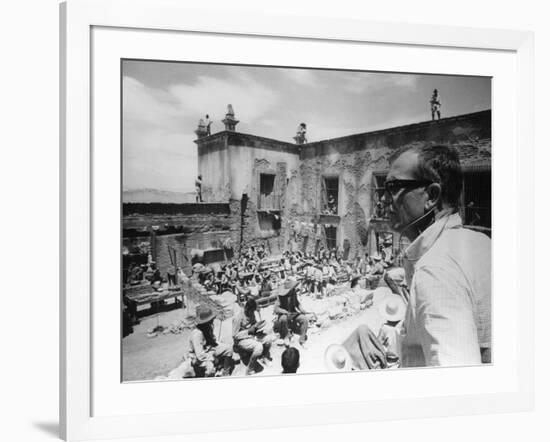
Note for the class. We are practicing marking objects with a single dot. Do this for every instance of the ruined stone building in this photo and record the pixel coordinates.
(306, 196)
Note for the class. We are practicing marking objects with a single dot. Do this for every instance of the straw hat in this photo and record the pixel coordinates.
(392, 308)
(337, 358)
(204, 314)
(286, 288)
(197, 267)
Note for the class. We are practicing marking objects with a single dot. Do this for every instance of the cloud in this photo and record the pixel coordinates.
(159, 124)
(158, 147)
(360, 82)
(319, 130)
(303, 77)
(144, 104)
(158, 159)
(251, 99)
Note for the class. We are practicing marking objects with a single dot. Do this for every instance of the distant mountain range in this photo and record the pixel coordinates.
(157, 196)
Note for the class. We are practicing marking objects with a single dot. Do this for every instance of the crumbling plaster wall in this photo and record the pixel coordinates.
(251, 156)
(355, 158)
(354, 168)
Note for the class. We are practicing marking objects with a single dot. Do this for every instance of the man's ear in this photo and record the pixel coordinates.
(434, 196)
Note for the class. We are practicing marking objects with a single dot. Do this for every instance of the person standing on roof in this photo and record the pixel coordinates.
(435, 103)
(198, 189)
(208, 123)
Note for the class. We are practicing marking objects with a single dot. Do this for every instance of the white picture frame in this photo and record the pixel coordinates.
(78, 380)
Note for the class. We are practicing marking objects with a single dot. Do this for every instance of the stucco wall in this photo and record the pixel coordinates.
(241, 158)
(214, 166)
(229, 163)
(355, 158)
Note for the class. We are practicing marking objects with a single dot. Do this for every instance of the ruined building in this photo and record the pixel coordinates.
(306, 196)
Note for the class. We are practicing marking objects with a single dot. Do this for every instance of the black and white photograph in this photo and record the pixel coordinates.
(283, 220)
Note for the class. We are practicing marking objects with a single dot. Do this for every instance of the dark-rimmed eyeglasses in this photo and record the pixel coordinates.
(393, 186)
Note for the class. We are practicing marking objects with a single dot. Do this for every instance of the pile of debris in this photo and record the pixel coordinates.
(327, 310)
(175, 327)
(226, 302)
(197, 294)
(223, 305)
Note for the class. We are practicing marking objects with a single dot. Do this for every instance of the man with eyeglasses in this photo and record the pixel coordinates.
(447, 267)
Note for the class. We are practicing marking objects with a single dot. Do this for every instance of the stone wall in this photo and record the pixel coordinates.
(178, 227)
(188, 217)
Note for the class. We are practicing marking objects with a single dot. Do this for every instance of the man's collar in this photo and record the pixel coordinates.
(446, 219)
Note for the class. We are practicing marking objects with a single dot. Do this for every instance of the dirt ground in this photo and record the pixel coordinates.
(160, 357)
(146, 358)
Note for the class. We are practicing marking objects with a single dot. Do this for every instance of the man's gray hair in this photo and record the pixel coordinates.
(441, 164)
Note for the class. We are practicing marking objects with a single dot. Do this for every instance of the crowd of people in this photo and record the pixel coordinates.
(254, 276)
(254, 273)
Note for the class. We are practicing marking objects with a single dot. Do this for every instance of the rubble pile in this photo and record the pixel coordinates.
(327, 310)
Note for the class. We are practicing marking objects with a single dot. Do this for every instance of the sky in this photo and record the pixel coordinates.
(162, 103)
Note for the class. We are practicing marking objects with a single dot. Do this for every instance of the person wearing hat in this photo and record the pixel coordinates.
(294, 266)
(287, 267)
(247, 332)
(196, 270)
(156, 273)
(136, 275)
(267, 282)
(386, 250)
(208, 281)
(206, 353)
(309, 273)
(392, 310)
(289, 311)
(171, 275)
(366, 264)
(329, 277)
(242, 290)
(376, 271)
(318, 288)
(225, 284)
(368, 351)
(337, 358)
